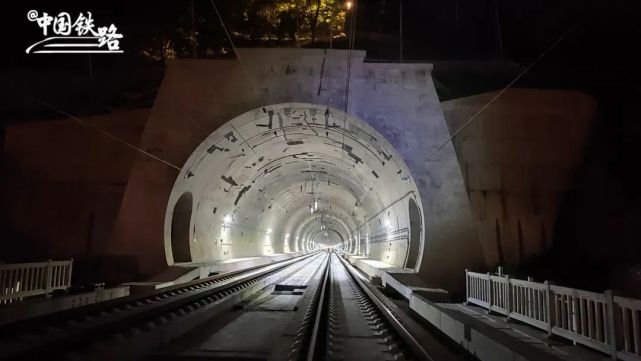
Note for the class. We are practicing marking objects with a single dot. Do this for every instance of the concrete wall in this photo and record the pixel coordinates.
(398, 100)
(64, 184)
(519, 158)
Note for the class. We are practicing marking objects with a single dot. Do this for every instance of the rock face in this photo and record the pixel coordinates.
(519, 160)
(63, 187)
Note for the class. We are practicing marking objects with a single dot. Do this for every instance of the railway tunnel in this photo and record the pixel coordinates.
(285, 159)
(173, 196)
(294, 177)
(291, 215)
(274, 207)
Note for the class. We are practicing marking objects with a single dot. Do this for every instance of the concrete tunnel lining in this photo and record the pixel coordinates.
(272, 178)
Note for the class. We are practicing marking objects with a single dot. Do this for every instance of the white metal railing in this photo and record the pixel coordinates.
(607, 323)
(21, 280)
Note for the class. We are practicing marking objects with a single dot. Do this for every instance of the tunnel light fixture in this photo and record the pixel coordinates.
(267, 245)
(226, 223)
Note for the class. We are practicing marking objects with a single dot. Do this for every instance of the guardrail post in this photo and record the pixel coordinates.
(48, 278)
(2, 277)
(489, 290)
(69, 275)
(467, 287)
(549, 304)
(611, 324)
(529, 302)
(509, 296)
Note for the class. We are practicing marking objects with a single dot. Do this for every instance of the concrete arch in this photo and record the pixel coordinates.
(266, 181)
(323, 237)
(180, 229)
(414, 236)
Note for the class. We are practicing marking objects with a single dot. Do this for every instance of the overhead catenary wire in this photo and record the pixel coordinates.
(350, 48)
(243, 66)
(129, 145)
(348, 71)
(348, 75)
(500, 93)
(231, 42)
(107, 134)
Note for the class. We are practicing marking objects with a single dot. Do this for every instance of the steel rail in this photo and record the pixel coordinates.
(96, 328)
(423, 345)
(27, 325)
(312, 352)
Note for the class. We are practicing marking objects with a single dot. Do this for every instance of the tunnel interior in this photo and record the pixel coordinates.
(294, 178)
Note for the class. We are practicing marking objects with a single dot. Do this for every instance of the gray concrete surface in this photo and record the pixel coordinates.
(519, 158)
(491, 338)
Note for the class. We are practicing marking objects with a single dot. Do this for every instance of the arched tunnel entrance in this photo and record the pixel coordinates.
(180, 220)
(291, 177)
(416, 225)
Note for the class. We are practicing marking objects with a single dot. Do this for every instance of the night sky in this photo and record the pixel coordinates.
(600, 55)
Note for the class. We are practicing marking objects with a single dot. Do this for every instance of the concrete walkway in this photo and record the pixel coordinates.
(185, 272)
(489, 337)
(492, 338)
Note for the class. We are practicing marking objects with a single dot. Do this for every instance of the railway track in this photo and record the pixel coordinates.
(355, 321)
(315, 307)
(137, 324)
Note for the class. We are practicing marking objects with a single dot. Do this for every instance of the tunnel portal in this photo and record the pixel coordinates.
(294, 177)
